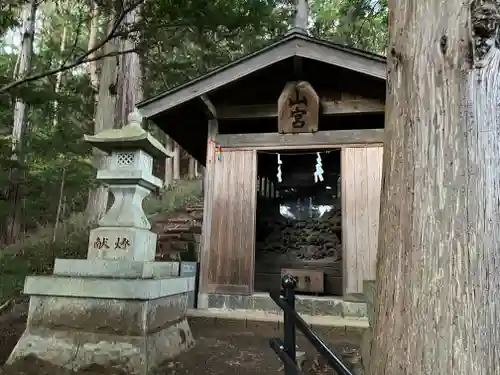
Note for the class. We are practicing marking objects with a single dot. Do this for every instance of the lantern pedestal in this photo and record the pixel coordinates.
(117, 308)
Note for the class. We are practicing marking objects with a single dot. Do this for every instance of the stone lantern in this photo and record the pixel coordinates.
(124, 230)
(118, 308)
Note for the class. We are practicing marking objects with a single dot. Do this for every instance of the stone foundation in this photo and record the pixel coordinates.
(307, 305)
(135, 332)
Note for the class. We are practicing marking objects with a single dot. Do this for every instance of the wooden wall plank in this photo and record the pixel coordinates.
(348, 194)
(374, 157)
(361, 183)
(207, 205)
(232, 240)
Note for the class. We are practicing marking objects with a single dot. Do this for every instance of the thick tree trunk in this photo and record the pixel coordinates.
(129, 88)
(177, 161)
(169, 166)
(23, 67)
(192, 168)
(438, 283)
(196, 169)
(104, 119)
(121, 86)
(93, 29)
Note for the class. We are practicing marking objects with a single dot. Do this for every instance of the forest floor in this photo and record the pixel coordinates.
(220, 349)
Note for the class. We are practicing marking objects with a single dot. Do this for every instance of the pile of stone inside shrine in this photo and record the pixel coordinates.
(310, 239)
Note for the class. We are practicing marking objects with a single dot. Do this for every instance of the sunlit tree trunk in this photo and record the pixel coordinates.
(177, 161)
(55, 121)
(59, 76)
(23, 67)
(129, 83)
(192, 168)
(196, 169)
(438, 280)
(169, 166)
(104, 114)
(120, 89)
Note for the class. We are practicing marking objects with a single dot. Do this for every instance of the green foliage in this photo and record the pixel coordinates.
(207, 34)
(178, 40)
(9, 10)
(356, 23)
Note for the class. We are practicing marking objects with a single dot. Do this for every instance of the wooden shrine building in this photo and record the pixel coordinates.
(291, 137)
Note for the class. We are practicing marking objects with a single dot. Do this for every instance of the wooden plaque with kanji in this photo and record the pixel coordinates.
(298, 108)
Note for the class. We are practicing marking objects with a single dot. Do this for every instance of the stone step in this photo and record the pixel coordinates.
(196, 229)
(179, 220)
(177, 229)
(261, 316)
(308, 305)
(168, 252)
(189, 228)
(163, 237)
(166, 257)
(175, 245)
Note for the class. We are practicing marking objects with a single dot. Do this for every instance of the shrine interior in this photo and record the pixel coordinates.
(298, 220)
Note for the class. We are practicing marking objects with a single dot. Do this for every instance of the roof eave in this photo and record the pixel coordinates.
(293, 45)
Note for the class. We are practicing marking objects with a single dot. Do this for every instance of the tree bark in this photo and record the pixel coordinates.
(192, 168)
(177, 161)
(301, 18)
(23, 67)
(120, 89)
(438, 285)
(169, 166)
(104, 119)
(196, 169)
(93, 29)
(129, 83)
(59, 76)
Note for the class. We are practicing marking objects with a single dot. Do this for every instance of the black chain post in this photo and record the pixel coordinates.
(288, 282)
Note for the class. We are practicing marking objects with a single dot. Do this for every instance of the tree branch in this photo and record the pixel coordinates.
(85, 57)
(64, 68)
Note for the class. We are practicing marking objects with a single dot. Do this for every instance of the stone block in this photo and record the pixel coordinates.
(303, 305)
(354, 309)
(136, 355)
(135, 289)
(190, 269)
(126, 176)
(328, 307)
(217, 301)
(133, 335)
(122, 243)
(123, 269)
(264, 303)
(236, 302)
(126, 211)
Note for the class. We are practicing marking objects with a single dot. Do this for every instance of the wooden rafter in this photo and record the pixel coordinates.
(336, 107)
(208, 107)
(321, 139)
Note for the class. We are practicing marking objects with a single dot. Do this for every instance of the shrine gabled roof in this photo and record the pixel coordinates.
(295, 44)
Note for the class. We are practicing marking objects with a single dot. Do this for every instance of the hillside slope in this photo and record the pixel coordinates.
(36, 253)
